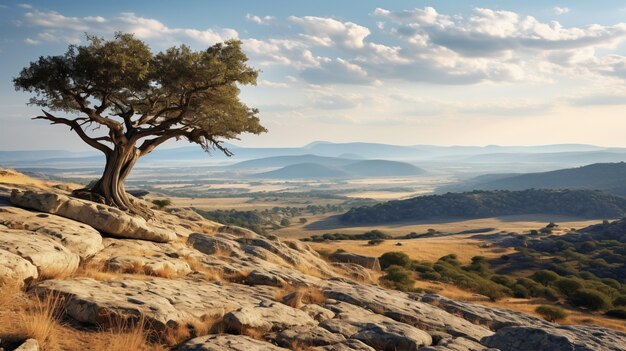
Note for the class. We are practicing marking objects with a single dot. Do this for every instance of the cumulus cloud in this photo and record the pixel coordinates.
(270, 84)
(558, 10)
(329, 32)
(259, 20)
(56, 25)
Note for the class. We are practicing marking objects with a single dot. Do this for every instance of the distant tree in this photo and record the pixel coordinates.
(544, 277)
(568, 285)
(302, 220)
(591, 299)
(285, 222)
(142, 100)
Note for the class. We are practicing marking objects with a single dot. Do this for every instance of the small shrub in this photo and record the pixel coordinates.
(399, 278)
(285, 222)
(375, 242)
(162, 203)
(520, 291)
(394, 258)
(302, 220)
(617, 313)
(620, 301)
(451, 259)
(551, 313)
(591, 299)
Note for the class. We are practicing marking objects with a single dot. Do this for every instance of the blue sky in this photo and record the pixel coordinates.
(403, 72)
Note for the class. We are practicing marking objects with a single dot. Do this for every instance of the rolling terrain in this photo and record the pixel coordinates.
(480, 204)
(609, 177)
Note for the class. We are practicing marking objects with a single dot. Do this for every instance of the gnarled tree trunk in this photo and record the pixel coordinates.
(110, 188)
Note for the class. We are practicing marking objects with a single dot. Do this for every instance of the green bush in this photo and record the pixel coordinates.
(162, 203)
(544, 277)
(567, 286)
(375, 242)
(620, 301)
(285, 222)
(520, 291)
(399, 278)
(451, 259)
(551, 313)
(591, 299)
(396, 258)
(431, 275)
(502, 280)
(617, 313)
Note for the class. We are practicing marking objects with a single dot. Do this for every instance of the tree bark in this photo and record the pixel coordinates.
(110, 188)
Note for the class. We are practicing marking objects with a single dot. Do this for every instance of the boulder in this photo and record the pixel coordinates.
(16, 268)
(308, 336)
(50, 257)
(576, 337)
(348, 345)
(266, 316)
(138, 256)
(79, 238)
(161, 302)
(318, 312)
(400, 307)
(227, 342)
(375, 330)
(364, 261)
(101, 217)
(457, 344)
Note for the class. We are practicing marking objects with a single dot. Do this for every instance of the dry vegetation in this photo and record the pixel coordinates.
(423, 249)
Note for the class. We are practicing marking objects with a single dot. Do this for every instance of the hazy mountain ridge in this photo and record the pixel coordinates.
(354, 169)
(610, 177)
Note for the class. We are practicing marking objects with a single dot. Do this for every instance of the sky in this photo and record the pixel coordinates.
(402, 72)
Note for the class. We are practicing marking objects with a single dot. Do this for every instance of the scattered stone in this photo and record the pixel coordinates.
(266, 316)
(28, 345)
(227, 343)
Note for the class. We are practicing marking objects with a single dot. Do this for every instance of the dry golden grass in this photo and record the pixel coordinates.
(519, 223)
(40, 320)
(426, 249)
(197, 266)
(297, 297)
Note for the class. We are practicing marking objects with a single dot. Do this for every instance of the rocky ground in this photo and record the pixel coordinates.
(192, 284)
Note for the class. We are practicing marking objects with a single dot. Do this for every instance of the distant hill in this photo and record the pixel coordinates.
(304, 171)
(609, 177)
(353, 169)
(483, 204)
(283, 161)
(383, 168)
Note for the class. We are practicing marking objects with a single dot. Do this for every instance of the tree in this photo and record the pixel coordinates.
(142, 100)
(544, 277)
